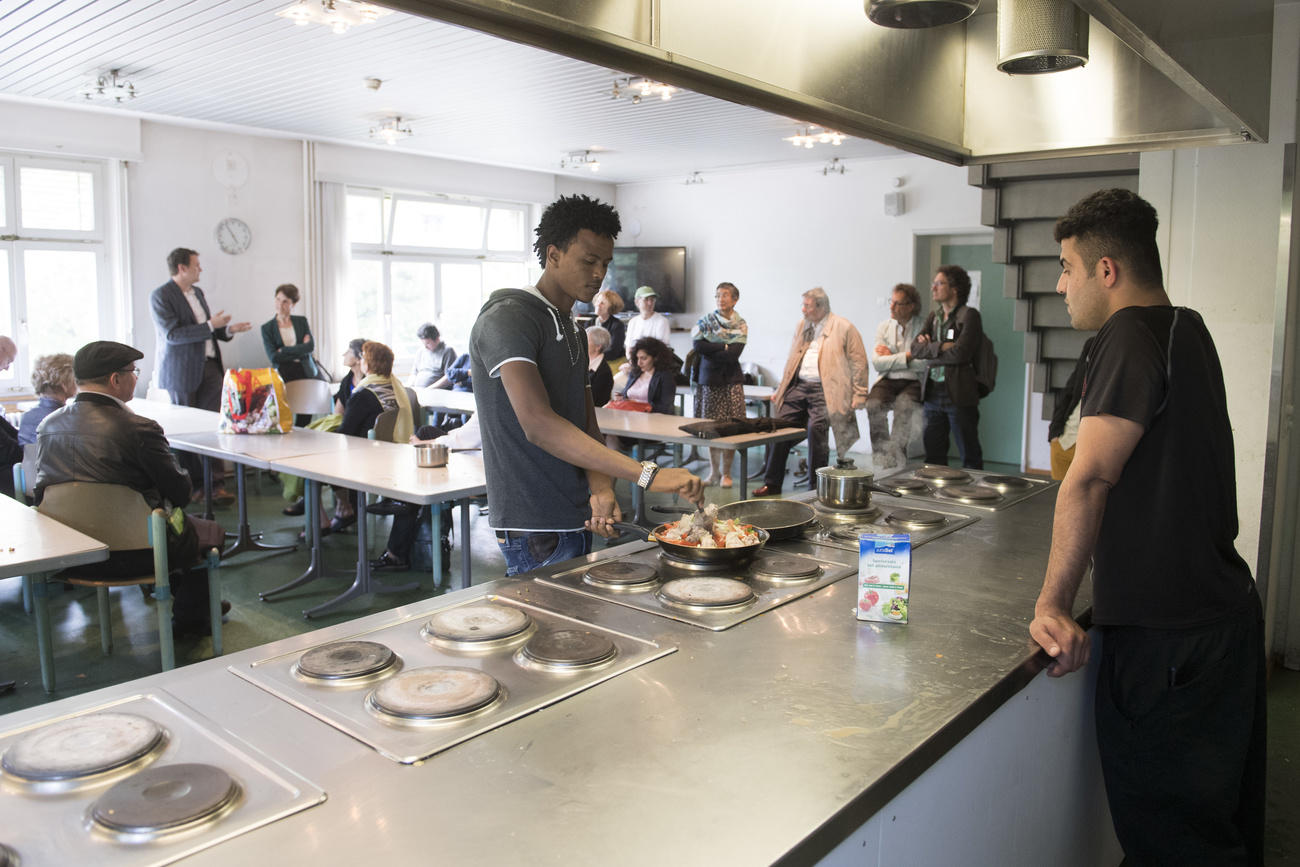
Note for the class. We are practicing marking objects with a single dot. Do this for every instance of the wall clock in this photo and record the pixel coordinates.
(233, 236)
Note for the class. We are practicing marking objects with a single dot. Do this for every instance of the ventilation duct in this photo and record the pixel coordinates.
(1037, 36)
(919, 13)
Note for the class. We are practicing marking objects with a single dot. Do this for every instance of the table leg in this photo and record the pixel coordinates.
(245, 540)
(207, 487)
(638, 496)
(40, 594)
(435, 523)
(364, 583)
(316, 567)
(744, 472)
(466, 578)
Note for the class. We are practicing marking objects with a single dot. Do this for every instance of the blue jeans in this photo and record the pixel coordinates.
(940, 415)
(525, 552)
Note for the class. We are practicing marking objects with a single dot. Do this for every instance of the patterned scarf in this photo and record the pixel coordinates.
(391, 392)
(715, 329)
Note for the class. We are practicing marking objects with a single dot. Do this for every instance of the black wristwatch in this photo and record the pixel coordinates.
(648, 471)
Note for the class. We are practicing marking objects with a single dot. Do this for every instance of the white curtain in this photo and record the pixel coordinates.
(331, 266)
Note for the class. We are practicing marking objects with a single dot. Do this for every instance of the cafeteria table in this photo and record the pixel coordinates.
(389, 469)
(34, 546)
(756, 394)
(257, 451)
(660, 427)
(446, 400)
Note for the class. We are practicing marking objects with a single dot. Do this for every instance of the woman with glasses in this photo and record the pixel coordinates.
(719, 339)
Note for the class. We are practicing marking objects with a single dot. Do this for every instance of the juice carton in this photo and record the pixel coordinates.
(884, 573)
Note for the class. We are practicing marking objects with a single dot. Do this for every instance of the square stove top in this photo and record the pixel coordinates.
(886, 515)
(712, 599)
(76, 789)
(428, 681)
(971, 489)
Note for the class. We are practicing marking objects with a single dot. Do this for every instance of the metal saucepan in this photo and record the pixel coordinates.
(782, 519)
(720, 557)
(844, 486)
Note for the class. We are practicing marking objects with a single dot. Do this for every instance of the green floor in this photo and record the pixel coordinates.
(81, 667)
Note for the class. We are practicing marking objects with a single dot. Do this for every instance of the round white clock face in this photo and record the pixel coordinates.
(233, 236)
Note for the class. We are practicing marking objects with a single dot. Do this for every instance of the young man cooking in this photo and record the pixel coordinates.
(549, 475)
(1151, 500)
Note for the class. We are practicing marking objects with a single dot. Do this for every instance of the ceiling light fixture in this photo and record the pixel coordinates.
(637, 89)
(579, 160)
(834, 167)
(337, 15)
(110, 86)
(390, 130)
(807, 137)
(695, 178)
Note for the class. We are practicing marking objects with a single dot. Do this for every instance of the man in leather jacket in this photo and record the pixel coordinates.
(96, 438)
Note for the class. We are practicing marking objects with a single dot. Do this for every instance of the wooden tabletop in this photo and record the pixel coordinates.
(31, 542)
(661, 427)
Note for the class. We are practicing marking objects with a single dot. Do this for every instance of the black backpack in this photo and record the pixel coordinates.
(985, 363)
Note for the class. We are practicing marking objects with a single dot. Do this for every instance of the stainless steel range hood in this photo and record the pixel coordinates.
(1160, 75)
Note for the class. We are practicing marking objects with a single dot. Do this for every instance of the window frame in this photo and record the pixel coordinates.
(438, 256)
(17, 241)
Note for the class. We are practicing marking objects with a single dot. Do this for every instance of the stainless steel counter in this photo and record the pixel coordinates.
(771, 740)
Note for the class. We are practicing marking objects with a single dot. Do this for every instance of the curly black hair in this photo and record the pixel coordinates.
(661, 352)
(564, 218)
(1119, 224)
(958, 279)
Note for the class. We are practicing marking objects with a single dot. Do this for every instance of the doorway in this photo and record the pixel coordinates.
(1002, 413)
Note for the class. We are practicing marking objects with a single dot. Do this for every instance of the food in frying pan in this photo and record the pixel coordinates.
(703, 530)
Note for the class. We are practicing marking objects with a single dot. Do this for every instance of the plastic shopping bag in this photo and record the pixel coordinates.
(253, 402)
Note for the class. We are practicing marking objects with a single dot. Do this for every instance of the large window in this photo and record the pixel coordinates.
(427, 258)
(53, 259)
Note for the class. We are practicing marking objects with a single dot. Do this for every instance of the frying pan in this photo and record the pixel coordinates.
(782, 519)
(719, 557)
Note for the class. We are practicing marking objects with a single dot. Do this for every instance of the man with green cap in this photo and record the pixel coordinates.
(648, 323)
(97, 438)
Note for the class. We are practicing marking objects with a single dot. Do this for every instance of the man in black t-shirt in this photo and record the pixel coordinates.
(1151, 498)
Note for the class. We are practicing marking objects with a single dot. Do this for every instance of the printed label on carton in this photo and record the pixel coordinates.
(884, 574)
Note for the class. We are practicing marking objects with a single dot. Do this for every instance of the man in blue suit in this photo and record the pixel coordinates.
(189, 357)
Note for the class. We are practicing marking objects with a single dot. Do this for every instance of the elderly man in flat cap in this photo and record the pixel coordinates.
(96, 438)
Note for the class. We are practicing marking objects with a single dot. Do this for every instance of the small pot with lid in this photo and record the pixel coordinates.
(845, 486)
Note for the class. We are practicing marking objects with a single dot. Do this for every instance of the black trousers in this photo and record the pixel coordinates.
(1180, 719)
(941, 415)
(206, 396)
(804, 404)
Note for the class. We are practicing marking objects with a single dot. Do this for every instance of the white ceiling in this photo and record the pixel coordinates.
(466, 95)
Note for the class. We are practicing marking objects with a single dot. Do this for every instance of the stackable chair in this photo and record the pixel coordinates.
(119, 517)
(309, 396)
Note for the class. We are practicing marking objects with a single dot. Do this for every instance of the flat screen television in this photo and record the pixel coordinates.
(663, 268)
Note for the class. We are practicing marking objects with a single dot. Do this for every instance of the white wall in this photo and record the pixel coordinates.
(776, 233)
(1221, 210)
(175, 200)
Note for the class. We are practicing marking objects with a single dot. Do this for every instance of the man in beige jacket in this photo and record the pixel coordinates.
(824, 382)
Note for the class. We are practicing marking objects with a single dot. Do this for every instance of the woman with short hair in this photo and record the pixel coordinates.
(54, 384)
(602, 379)
(288, 344)
(719, 339)
(608, 305)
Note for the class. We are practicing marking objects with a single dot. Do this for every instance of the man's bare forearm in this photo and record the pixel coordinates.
(1079, 507)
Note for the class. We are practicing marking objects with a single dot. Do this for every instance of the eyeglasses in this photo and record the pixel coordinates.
(133, 370)
(903, 303)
